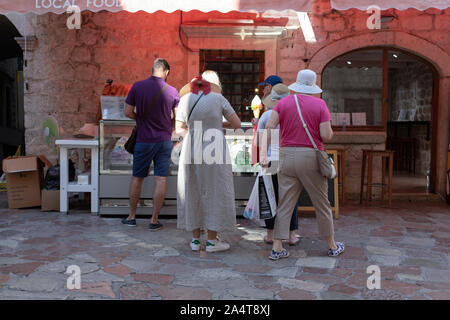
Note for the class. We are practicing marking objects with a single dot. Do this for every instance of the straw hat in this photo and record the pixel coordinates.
(187, 89)
(306, 83)
(279, 91)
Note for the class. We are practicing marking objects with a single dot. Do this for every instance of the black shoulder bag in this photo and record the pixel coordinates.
(193, 107)
(131, 142)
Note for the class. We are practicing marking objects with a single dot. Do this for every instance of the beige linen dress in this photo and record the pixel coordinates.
(205, 197)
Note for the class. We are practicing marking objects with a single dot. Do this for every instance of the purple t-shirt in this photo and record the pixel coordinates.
(157, 126)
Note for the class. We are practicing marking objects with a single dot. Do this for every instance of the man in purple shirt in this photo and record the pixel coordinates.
(154, 136)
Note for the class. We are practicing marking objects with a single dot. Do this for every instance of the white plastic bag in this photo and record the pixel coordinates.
(251, 211)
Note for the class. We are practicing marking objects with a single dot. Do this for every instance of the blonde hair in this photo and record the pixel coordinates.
(211, 76)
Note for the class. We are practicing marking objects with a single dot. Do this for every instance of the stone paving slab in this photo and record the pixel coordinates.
(409, 243)
(35, 283)
(384, 251)
(317, 262)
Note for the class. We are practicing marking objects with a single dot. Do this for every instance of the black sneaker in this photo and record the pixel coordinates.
(155, 226)
(130, 223)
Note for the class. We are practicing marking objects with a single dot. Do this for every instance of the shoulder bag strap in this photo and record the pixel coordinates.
(193, 107)
(304, 123)
(152, 103)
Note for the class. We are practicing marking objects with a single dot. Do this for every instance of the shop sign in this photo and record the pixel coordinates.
(88, 4)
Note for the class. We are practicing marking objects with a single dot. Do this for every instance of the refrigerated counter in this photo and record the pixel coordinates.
(116, 170)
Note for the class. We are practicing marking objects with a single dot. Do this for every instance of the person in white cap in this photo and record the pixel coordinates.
(298, 166)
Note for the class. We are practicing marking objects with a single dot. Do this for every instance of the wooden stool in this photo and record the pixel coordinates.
(341, 173)
(369, 154)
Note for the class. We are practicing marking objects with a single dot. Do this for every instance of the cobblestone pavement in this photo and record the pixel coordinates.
(410, 243)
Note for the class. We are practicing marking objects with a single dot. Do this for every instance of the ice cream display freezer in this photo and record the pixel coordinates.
(116, 165)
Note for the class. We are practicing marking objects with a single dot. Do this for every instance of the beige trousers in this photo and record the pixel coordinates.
(298, 168)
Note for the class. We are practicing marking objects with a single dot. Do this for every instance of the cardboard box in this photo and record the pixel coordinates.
(24, 180)
(50, 200)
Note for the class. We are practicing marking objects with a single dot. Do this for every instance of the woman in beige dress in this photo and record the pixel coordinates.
(205, 197)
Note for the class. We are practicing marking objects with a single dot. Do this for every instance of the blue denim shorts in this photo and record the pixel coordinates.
(145, 153)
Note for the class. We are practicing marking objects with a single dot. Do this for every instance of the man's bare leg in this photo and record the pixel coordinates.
(158, 197)
(135, 194)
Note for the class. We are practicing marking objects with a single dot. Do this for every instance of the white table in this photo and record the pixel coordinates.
(66, 187)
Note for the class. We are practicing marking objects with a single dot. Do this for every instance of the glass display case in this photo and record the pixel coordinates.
(114, 159)
(116, 166)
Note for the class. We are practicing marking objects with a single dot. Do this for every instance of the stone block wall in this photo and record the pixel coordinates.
(411, 88)
(68, 68)
(330, 26)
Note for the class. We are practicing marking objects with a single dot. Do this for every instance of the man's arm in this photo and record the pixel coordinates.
(129, 112)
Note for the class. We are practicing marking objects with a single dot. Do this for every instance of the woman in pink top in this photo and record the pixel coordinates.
(298, 166)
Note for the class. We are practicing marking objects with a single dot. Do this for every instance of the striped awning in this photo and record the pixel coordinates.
(388, 4)
(61, 6)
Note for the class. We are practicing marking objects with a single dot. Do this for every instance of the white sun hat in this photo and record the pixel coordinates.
(306, 82)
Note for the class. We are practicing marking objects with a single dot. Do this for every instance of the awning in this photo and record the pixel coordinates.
(61, 6)
(388, 4)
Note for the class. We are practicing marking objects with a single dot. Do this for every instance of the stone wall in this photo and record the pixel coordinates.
(68, 68)
(411, 88)
(330, 26)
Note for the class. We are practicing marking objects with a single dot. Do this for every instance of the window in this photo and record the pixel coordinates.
(353, 89)
(239, 72)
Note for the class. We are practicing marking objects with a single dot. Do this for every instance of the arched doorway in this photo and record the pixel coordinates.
(11, 90)
(390, 90)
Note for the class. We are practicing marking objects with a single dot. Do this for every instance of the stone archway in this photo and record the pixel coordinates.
(428, 51)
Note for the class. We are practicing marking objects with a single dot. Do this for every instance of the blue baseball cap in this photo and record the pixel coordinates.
(272, 80)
